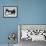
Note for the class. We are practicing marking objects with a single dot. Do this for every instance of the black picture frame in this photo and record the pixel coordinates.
(13, 10)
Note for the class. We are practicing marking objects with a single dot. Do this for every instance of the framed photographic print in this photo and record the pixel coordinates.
(33, 32)
(10, 11)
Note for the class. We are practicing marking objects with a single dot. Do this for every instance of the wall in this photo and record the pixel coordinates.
(32, 11)
(29, 12)
(7, 25)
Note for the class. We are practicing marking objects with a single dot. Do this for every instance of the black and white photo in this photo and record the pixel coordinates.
(10, 11)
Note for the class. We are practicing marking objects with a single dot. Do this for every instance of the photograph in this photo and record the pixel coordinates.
(10, 11)
(32, 32)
